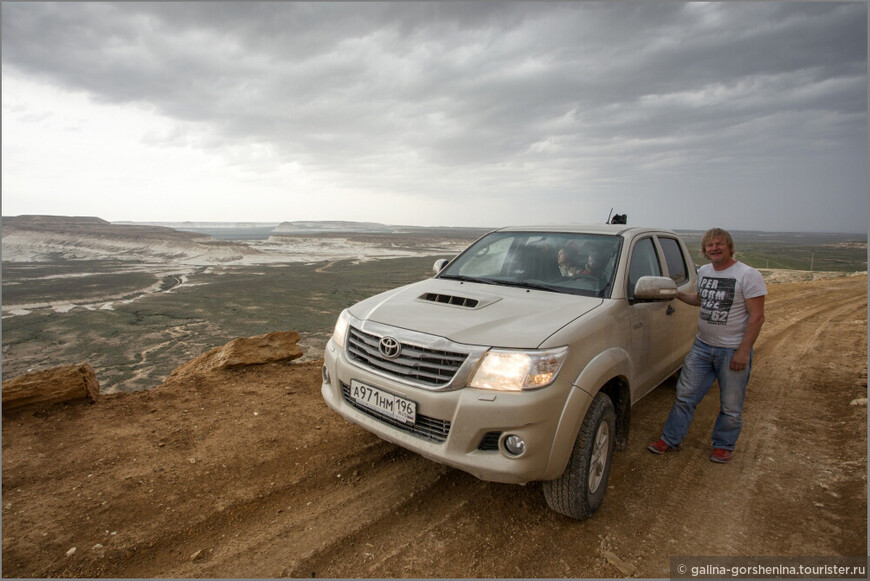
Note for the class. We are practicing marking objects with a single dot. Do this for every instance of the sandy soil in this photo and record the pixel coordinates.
(246, 473)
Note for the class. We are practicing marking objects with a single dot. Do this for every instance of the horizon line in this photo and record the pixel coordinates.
(274, 223)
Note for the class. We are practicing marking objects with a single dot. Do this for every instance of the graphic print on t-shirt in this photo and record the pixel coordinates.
(717, 296)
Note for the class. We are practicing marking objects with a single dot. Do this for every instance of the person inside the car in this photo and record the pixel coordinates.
(570, 260)
(594, 264)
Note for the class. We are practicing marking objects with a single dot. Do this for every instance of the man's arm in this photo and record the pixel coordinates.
(690, 298)
(755, 308)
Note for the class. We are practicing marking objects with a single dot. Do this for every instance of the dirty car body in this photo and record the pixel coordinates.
(520, 359)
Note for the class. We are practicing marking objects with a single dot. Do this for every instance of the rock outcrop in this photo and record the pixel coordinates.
(275, 346)
(78, 382)
(58, 384)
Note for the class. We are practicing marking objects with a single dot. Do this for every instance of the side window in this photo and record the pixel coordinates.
(644, 262)
(675, 260)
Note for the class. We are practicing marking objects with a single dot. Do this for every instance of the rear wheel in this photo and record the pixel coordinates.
(578, 492)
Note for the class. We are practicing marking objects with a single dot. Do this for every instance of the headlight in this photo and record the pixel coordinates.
(339, 335)
(518, 370)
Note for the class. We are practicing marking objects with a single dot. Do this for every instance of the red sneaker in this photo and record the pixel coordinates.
(660, 447)
(721, 455)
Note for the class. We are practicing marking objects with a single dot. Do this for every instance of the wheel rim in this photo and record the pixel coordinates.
(598, 463)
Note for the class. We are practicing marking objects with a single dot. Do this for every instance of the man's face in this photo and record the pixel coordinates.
(717, 250)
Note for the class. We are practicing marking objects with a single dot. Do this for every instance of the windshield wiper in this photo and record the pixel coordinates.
(463, 278)
(532, 285)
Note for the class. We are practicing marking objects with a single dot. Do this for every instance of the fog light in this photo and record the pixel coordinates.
(325, 373)
(514, 445)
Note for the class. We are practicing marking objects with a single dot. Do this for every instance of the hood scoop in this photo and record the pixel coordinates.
(464, 302)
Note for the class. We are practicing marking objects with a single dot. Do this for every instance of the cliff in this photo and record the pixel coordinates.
(42, 238)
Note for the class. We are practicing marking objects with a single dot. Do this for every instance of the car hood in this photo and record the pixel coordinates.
(474, 313)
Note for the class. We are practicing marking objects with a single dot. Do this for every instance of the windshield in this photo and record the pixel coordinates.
(559, 262)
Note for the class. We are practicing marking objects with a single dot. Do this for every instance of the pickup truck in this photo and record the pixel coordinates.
(520, 359)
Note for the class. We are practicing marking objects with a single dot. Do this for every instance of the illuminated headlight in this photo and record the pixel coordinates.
(518, 370)
(339, 335)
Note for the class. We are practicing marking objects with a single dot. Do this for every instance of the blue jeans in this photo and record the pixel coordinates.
(703, 365)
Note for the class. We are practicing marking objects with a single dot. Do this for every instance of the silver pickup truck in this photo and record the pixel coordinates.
(520, 359)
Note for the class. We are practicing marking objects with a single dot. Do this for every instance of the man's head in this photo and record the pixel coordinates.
(712, 240)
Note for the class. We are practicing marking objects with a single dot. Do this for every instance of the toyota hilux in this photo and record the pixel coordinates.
(520, 359)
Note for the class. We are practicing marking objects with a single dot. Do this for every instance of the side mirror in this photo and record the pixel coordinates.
(441, 263)
(655, 288)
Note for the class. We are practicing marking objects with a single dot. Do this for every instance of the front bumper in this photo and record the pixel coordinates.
(466, 428)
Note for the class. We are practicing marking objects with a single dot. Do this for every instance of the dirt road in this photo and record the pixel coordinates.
(246, 473)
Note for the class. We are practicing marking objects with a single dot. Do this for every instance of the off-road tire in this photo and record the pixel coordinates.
(570, 494)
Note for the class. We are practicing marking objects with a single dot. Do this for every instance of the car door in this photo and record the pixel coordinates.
(683, 320)
(650, 321)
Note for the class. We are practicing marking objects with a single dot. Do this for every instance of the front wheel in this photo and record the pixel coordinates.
(578, 492)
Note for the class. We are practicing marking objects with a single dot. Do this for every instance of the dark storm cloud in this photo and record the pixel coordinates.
(605, 92)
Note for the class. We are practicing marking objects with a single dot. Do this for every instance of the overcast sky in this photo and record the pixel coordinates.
(682, 115)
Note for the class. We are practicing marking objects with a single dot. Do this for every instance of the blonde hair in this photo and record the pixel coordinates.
(712, 233)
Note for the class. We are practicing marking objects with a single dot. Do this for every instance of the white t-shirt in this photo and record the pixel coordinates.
(723, 293)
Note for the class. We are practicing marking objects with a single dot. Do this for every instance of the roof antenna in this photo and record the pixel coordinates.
(608, 216)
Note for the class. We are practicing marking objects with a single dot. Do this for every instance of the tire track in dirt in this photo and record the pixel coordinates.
(460, 528)
(789, 313)
(324, 514)
(375, 543)
(272, 532)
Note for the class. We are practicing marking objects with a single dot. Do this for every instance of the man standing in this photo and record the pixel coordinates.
(731, 297)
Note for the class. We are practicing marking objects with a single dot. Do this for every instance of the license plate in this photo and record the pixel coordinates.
(386, 403)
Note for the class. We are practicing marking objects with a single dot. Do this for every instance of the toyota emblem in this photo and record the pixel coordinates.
(389, 347)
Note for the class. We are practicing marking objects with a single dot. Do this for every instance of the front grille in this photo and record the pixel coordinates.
(430, 367)
(431, 429)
